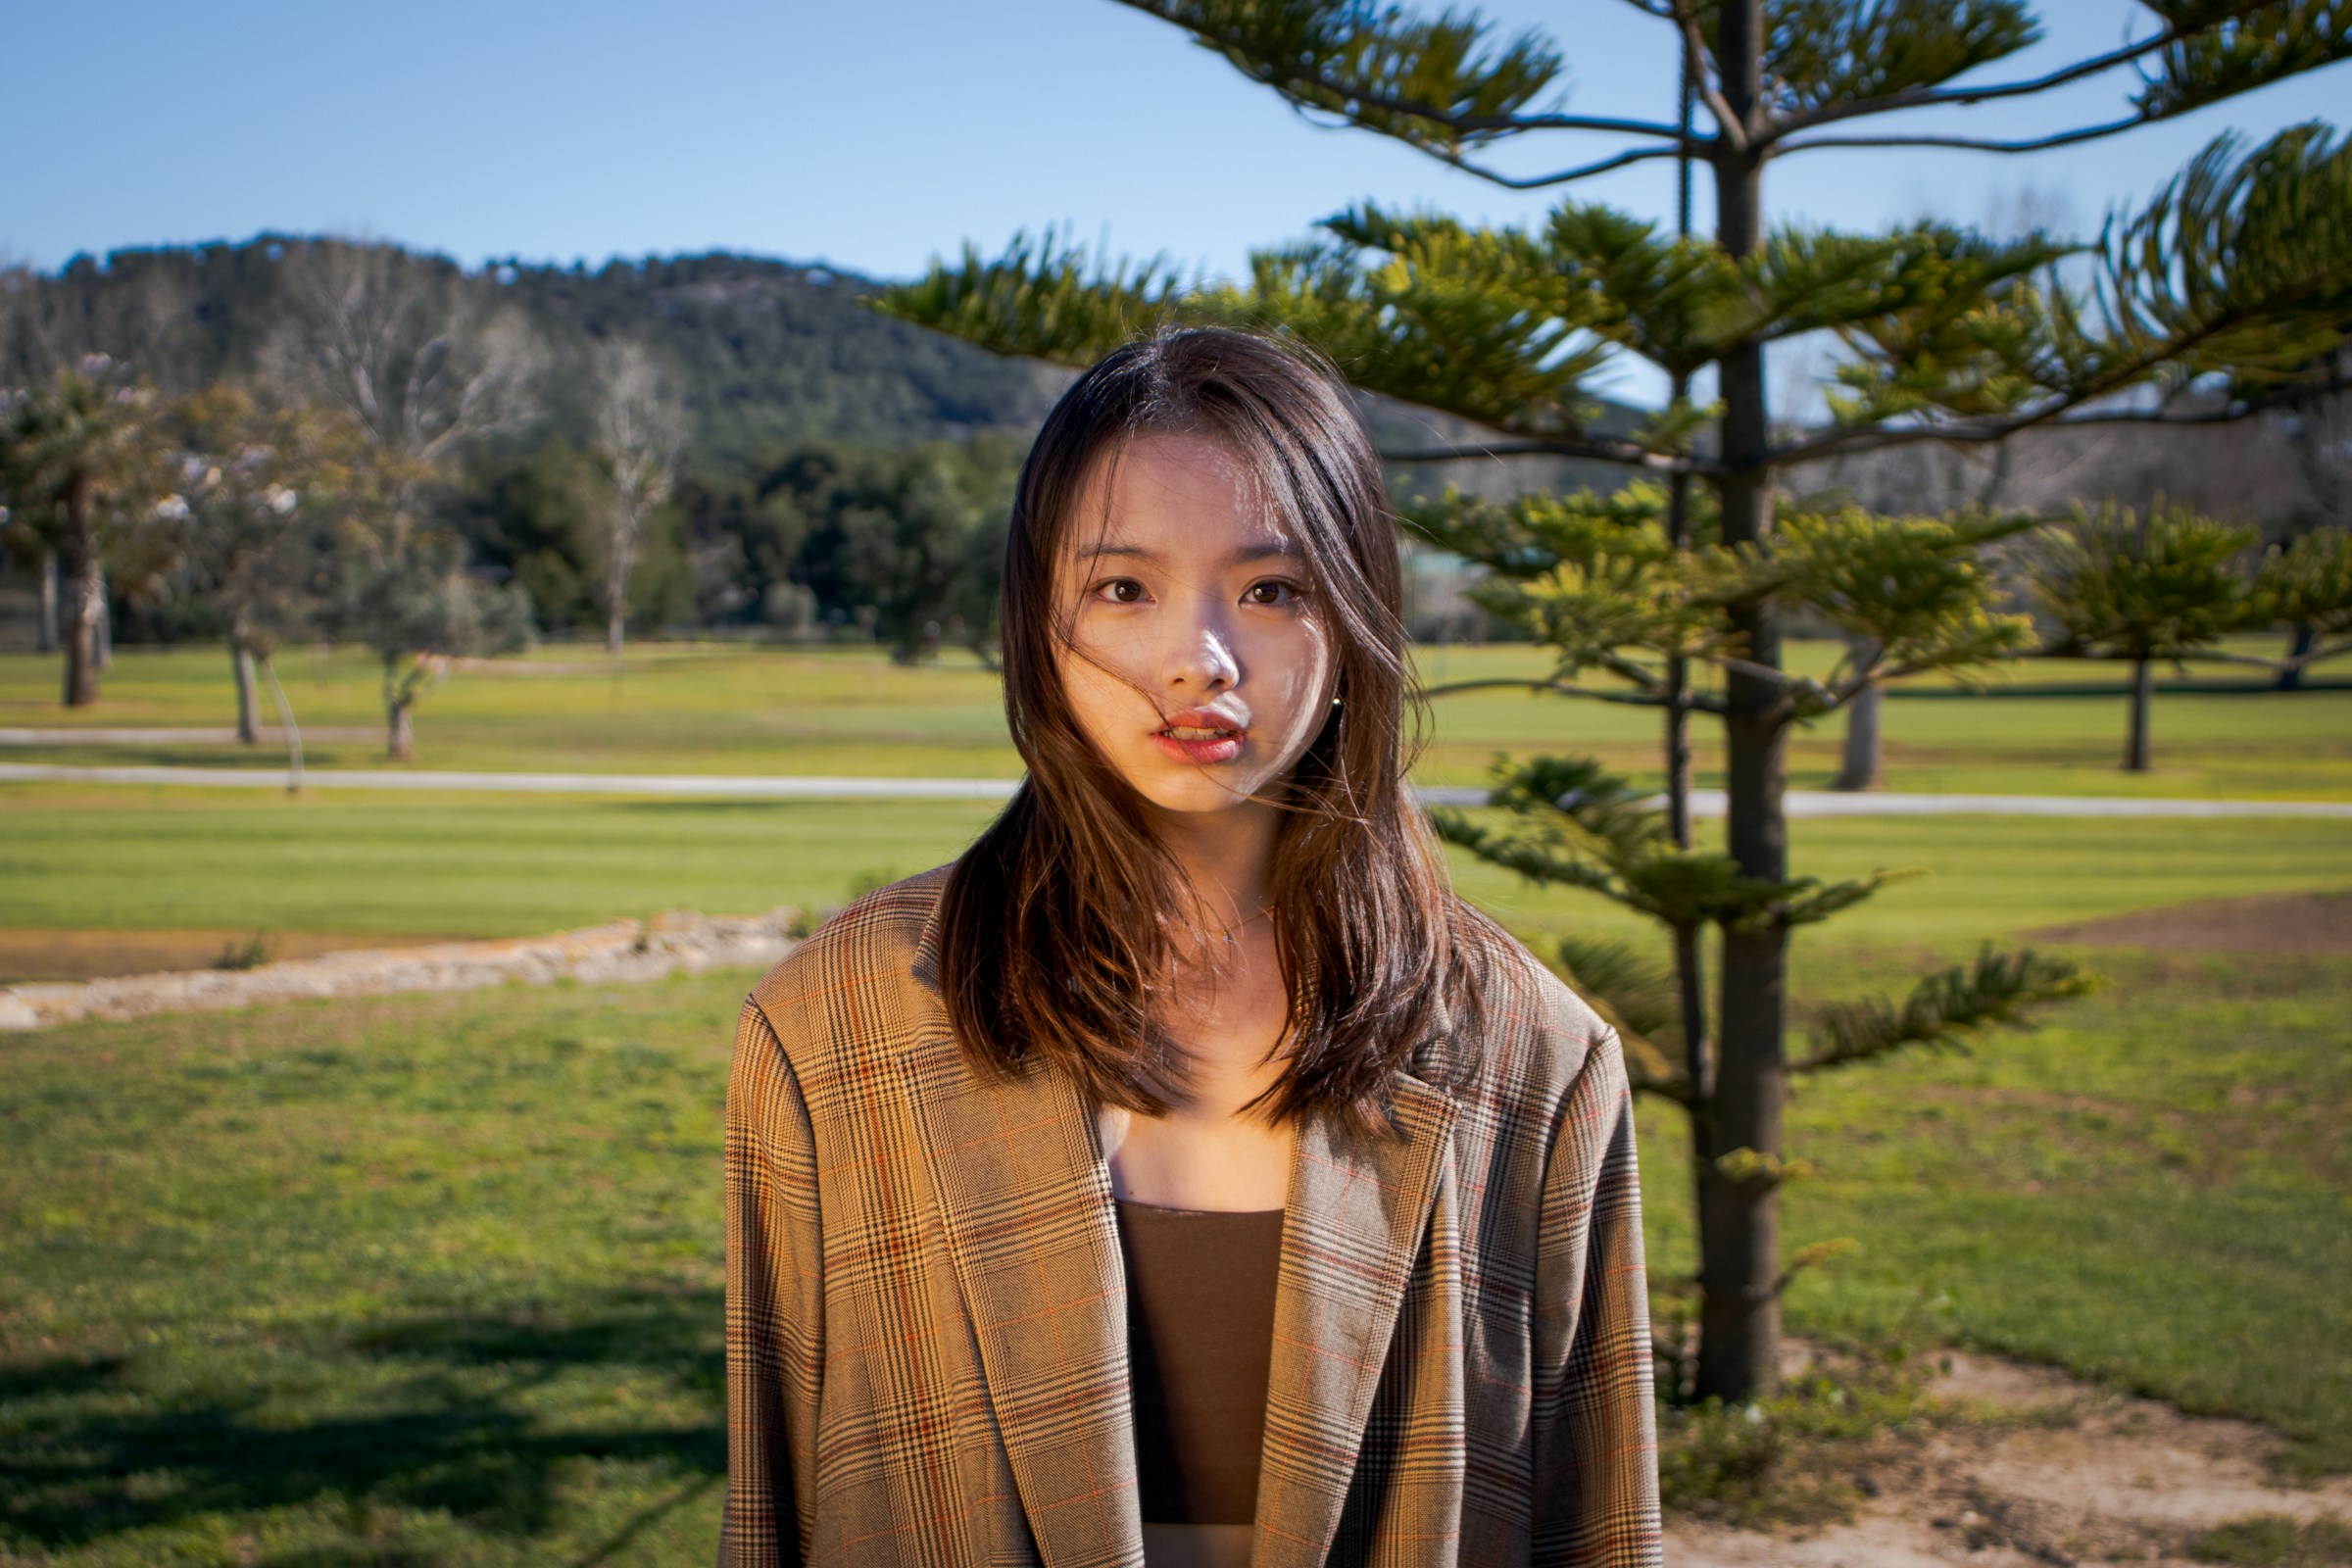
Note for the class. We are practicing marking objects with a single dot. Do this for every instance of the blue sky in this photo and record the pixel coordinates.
(866, 133)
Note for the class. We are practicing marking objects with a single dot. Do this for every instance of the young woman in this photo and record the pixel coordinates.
(1185, 1175)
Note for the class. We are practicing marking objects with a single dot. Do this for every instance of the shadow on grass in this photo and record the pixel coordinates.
(87, 1453)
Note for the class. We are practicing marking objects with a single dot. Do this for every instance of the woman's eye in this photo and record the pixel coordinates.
(1120, 591)
(1273, 591)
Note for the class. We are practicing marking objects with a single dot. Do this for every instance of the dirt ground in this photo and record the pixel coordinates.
(47, 954)
(2050, 1470)
(2271, 922)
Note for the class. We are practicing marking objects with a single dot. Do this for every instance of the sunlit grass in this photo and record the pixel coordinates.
(744, 709)
(436, 1278)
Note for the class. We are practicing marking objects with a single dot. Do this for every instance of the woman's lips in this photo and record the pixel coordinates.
(1202, 740)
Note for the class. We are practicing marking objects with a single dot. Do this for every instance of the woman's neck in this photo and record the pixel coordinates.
(1227, 859)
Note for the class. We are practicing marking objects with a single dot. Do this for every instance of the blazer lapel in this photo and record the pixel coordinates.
(1027, 1208)
(1358, 1209)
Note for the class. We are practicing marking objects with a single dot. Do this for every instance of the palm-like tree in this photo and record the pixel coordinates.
(78, 457)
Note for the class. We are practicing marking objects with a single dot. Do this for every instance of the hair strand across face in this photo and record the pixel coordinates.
(1063, 925)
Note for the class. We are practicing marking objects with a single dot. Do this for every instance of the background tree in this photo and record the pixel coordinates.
(416, 354)
(2307, 587)
(2226, 293)
(78, 462)
(2120, 585)
(916, 538)
(416, 611)
(424, 362)
(29, 550)
(640, 425)
(256, 509)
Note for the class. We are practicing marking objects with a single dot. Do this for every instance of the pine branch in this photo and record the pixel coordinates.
(1635, 996)
(1387, 72)
(1945, 1011)
(1043, 298)
(1973, 144)
(2240, 268)
(1559, 688)
(1962, 97)
(1560, 176)
(2214, 60)
(1541, 863)
(1989, 432)
(1813, 1256)
(1594, 449)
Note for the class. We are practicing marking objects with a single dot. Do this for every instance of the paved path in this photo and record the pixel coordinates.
(770, 787)
(271, 735)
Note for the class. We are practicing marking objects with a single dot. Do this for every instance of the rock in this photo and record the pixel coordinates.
(617, 951)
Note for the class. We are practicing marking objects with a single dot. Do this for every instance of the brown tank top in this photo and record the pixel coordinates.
(1201, 1339)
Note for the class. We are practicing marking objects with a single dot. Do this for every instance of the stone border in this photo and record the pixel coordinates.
(617, 952)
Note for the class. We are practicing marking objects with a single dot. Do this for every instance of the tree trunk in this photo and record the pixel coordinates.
(44, 630)
(2299, 642)
(1699, 1067)
(1860, 769)
(400, 735)
(1739, 1213)
(85, 582)
(285, 721)
(240, 660)
(2144, 698)
(620, 563)
(1678, 671)
(400, 738)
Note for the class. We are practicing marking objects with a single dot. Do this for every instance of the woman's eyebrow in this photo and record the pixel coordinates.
(1265, 550)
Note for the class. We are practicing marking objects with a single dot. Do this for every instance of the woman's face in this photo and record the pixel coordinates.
(1199, 666)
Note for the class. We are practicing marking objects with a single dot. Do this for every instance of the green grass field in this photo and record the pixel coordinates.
(504, 865)
(736, 709)
(436, 1279)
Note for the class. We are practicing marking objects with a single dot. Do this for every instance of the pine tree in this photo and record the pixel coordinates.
(2228, 293)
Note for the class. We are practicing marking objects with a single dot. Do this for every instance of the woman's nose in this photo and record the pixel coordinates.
(1201, 659)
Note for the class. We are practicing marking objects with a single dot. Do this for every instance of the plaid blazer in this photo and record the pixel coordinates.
(926, 1315)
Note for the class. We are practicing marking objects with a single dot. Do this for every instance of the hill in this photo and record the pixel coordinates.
(770, 354)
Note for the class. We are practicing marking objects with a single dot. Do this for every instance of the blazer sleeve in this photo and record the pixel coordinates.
(775, 1302)
(1596, 1438)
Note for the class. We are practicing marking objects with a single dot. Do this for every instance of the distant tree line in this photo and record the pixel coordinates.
(300, 440)
(306, 439)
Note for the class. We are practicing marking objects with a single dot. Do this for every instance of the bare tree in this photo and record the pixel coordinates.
(256, 509)
(640, 424)
(409, 348)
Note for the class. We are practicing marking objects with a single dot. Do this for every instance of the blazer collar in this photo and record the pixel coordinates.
(1025, 1202)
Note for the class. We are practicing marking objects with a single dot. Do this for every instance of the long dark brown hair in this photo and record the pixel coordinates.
(1063, 925)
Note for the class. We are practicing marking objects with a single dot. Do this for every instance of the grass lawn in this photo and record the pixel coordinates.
(500, 866)
(736, 709)
(455, 864)
(420, 1280)
(2156, 1190)
(437, 1279)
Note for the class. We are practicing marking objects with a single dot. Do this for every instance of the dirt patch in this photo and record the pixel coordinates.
(48, 953)
(2268, 923)
(2045, 1469)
